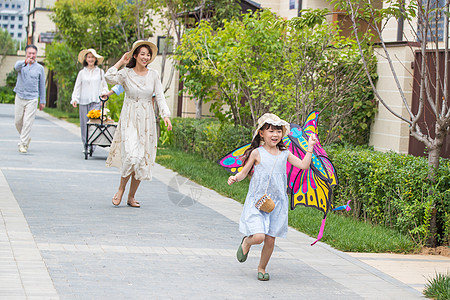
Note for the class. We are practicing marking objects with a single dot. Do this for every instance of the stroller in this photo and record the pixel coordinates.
(99, 132)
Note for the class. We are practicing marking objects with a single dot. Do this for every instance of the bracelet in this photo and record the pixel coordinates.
(309, 151)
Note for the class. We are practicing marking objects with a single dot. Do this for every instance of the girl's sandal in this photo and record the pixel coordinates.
(263, 277)
(115, 200)
(241, 257)
(133, 203)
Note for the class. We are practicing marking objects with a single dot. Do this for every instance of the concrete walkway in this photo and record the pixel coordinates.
(60, 237)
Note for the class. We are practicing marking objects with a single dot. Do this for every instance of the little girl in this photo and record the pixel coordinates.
(269, 164)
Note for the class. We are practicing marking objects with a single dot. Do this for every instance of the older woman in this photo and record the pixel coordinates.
(133, 149)
(90, 84)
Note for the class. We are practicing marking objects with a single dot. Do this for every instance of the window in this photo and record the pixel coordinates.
(13, 18)
(19, 35)
(6, 5)
(436, 14)
(20, 18)
(5, 17)
(163, 42)
(5, 25)
(18, 6)
(11, 26)
(19, 26)
(12, 34)
(13, 6)
(0, 5)
(293, 4)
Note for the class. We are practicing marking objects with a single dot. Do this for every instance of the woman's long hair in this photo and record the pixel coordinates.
(257, 142)
(132, 62)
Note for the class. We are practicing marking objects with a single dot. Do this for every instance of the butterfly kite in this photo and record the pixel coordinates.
(311, 187)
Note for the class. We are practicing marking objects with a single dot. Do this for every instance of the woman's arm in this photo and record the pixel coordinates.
(122, 61)
(76, 90)
(161, 100)
(252, 160)
(103, 84)
(113, 76)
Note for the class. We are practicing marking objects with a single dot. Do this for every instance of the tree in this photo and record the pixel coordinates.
(62, 60)
(426, 19)
(264, 63)
(7, 44)
(179, 15)
(107, 26)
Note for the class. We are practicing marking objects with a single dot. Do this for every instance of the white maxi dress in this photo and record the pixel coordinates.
(134, 145)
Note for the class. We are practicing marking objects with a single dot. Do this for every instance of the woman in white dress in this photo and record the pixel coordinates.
(90, 84)
(133, 149)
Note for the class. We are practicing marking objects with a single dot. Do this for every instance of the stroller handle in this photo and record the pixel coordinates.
(103, 100)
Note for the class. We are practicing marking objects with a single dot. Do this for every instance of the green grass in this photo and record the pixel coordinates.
(71, 117)
(341, 232)
(438, 287)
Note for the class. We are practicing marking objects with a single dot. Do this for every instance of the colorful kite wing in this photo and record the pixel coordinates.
(312, 187)
(232, 161)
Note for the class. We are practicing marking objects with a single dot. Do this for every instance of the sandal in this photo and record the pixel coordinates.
(133, 203)
(115, 199)
(263, 277)
(241, 257)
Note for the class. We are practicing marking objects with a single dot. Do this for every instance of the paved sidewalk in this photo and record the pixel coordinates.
(61, 238)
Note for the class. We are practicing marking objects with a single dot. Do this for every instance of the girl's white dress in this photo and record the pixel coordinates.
(252, 219)
(135, 140)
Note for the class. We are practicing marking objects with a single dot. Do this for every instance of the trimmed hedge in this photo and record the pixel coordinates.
(393, 190)
(209, 138)
(385, 188)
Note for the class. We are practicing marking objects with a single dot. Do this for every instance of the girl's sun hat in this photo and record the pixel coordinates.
(142, 42)
(273, 120)
(82, 55)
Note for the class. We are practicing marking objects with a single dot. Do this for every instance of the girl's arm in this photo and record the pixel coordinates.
(252, 160)
(304, 164)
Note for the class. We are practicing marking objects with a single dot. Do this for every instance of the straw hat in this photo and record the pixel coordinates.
(82, 55)
(273, 120)
(142, 42)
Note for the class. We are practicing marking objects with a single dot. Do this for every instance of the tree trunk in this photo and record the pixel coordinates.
(433, 165)
(198, 108)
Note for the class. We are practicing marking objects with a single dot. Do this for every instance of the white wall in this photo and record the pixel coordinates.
(389, 132)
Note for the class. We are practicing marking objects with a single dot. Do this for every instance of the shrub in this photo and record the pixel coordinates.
(6, 92)
(207, 137)
(393, 190)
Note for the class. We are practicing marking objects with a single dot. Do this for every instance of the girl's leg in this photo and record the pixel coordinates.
(255, 239)
(266, 253)
(118, 196)
(133, 188)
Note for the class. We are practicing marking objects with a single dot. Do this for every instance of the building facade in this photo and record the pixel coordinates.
(13, 18)
(39, 24)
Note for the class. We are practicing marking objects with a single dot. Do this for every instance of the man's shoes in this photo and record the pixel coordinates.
(28, 144)
(22, 149)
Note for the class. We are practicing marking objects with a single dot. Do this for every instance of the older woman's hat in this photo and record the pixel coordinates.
(82, 55)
